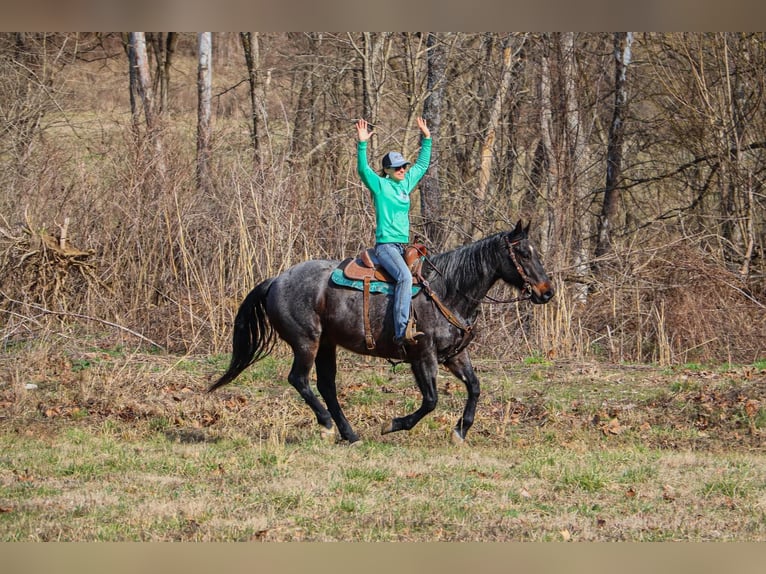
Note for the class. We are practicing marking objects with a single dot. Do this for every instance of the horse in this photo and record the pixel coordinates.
(314, 316)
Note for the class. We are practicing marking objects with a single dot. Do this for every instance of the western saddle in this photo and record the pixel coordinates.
(365, 266)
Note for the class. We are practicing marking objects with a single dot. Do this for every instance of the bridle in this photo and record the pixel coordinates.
(526, 288)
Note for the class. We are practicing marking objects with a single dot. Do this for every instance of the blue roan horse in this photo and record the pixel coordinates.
(313, 315)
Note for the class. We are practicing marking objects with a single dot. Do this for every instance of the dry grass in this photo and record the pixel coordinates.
(114, 445)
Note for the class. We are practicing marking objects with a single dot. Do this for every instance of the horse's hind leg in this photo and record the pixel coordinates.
(326, 366)
(425, 371)
(299, 378)
(460, 366)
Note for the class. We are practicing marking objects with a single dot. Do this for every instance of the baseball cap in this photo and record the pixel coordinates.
(394, 159)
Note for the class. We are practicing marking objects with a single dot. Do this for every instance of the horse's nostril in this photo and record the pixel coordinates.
(547, 295)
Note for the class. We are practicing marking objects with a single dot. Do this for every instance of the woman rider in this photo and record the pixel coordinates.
(391, 198)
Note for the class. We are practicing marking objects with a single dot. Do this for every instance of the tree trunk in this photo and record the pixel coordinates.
(550, 194)
(574, 214)
(163, 46)
(430, 191)
(204, 93)
(609, 210)
(138, 43)
(488, 144)
(251, 47)
(304, 133)
(134, 89)
(374, 53)
(737, 224)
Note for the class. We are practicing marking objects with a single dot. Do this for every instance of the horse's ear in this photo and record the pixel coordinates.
(518, 229)
(526, 229)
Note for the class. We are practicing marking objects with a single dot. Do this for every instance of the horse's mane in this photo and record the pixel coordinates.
(465, 267)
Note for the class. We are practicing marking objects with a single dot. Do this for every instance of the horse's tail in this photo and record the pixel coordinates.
(254, 337)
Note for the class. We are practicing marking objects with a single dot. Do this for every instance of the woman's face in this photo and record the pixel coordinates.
(397, 173)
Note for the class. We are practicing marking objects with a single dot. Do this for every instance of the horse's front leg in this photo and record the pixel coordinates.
(460, 366)
(425, 369)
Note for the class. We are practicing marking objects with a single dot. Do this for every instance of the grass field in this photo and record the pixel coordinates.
(113, 445)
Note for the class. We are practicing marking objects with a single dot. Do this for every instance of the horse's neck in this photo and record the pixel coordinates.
(467, 297)
(463, 291)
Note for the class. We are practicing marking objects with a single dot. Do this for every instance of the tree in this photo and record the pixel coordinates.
(567, 120)
(140, 67)
(711, 95)
(251, 47)
(607, 220)
(163, 46)
(549, 146)
(204, 91)
(488, 143)
(135, 114)
(430, 191)
(305, 134)
(374, 53)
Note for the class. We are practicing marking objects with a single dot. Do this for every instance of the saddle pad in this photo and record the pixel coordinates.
(338, 278)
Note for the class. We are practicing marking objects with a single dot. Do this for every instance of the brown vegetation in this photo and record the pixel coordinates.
(99, 235)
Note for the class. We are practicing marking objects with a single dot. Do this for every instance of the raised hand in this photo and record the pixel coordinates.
(424, 128)
(362, 132)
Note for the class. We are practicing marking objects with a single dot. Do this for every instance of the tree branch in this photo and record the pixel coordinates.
(79, 316)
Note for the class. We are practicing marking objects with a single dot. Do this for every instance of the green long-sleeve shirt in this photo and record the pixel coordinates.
(390, 197)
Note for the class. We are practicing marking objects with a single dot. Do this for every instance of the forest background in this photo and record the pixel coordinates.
(151, 180)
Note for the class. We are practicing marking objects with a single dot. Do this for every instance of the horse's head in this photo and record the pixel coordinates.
(525, 270)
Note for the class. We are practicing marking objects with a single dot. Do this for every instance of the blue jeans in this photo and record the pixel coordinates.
(391, 257)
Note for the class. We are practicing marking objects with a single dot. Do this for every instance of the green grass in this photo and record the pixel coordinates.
(133, 449)
(202, 492)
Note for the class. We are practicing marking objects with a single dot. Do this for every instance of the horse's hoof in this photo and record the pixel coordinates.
(355, 443)
(327, 434)
(387, 427)
(457, 440)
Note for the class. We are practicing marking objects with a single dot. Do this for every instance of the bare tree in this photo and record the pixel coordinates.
(137, 41)
(305, 135)
(374, 52)
(622, 53)
(565, 130)
(430, 190)
(133, 83)
(549, 149)
(713, 94)
(251, 47)
(204, 91)
(164, 47)
(488, 143)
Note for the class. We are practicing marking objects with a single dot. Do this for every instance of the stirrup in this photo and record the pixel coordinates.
(411, 334)
(408, 340)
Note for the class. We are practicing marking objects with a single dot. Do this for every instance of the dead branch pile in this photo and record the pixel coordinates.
(42, 271)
